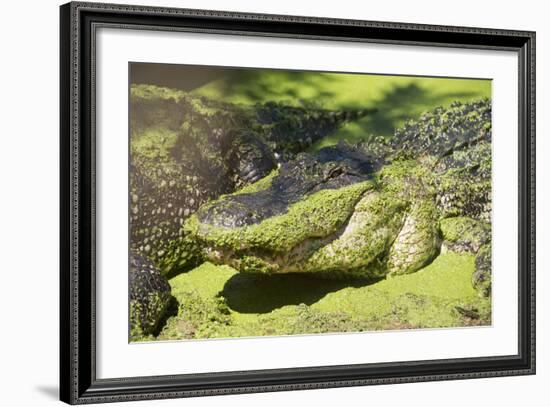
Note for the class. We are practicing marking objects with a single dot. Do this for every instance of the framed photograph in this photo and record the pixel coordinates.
(254, 203)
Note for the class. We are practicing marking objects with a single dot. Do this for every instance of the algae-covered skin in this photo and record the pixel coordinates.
(331, 213)
(457, 141)
(363, 211)
(186, 150)
(464, 234)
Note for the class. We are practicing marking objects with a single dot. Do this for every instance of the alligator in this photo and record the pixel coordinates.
(187, 150)
(233, 185)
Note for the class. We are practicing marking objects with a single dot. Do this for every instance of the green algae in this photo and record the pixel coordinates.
(218, 302)
(464, 231)
(360, 249)
(364, 230)
(396, 98)
(317, 215)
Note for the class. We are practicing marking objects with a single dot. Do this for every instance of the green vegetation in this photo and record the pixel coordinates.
(319, 215)
(217, 301)
(396, 98)
(465, 232)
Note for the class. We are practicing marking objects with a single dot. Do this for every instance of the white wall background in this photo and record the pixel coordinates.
(29, 163)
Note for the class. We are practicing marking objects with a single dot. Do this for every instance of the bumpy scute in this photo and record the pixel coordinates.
(463, 234)
(150, 298)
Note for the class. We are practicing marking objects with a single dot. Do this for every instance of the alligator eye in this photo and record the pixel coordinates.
(334, 172)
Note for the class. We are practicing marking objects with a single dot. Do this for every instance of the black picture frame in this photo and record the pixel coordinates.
(78, 382)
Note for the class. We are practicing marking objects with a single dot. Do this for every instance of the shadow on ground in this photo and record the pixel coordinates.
(260, 293)
(397, 99)
(404, 102)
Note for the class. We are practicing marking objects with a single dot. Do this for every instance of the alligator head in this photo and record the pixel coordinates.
(368, 210)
